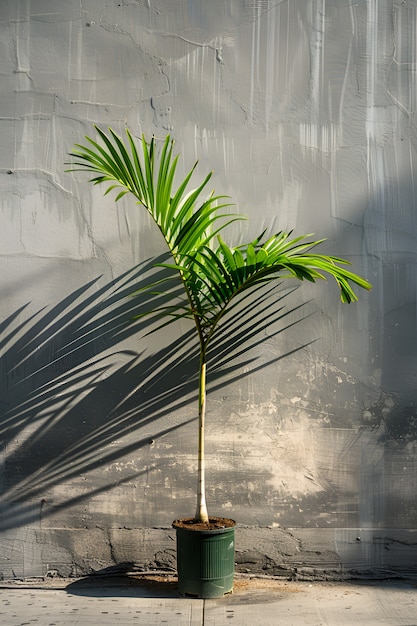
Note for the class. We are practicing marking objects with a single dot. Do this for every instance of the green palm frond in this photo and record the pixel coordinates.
(185, 220)
(227, 272)
(212, 276)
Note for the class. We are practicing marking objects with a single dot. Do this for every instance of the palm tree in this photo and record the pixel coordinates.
(213, 274)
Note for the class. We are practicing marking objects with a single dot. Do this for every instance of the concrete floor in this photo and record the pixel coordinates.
(155, 601)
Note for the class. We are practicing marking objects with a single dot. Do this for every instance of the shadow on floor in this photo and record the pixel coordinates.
(123, 580)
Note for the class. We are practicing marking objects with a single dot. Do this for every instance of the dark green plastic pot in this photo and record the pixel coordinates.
(205, 560)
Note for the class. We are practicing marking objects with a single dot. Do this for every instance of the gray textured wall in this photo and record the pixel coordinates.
(305, 109)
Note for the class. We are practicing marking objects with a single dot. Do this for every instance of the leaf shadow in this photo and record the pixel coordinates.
(69, 392)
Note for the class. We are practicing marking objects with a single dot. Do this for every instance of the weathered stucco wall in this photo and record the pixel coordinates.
(305, 109)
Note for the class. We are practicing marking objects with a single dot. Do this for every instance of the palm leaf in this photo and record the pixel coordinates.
(212, 278)
(136, 164)
(185, 222)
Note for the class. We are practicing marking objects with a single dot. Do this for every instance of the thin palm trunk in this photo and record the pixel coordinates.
(201, 513)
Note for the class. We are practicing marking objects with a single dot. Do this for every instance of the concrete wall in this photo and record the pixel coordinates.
(305, 110)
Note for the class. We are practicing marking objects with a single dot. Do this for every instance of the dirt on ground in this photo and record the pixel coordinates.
(161, 581)
(157, 582)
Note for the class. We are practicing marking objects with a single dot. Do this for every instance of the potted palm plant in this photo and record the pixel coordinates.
(214, 277)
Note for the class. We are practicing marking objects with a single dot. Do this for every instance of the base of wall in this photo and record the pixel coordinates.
(296, 554)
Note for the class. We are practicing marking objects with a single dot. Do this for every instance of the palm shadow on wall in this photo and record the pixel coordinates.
(66, 398)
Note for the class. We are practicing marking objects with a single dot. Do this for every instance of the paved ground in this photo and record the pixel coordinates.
(155, 601)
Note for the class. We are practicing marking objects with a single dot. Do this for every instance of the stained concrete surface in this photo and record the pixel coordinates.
(254, 602)
(305, 111)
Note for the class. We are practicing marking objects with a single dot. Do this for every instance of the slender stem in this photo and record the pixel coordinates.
(201, 513)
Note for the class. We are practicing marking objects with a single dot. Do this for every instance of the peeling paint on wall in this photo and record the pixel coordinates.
(304, 110)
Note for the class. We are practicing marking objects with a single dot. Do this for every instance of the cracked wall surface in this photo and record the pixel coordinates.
(305, 111)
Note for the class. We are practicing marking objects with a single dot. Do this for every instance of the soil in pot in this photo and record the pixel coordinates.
(214, 523)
